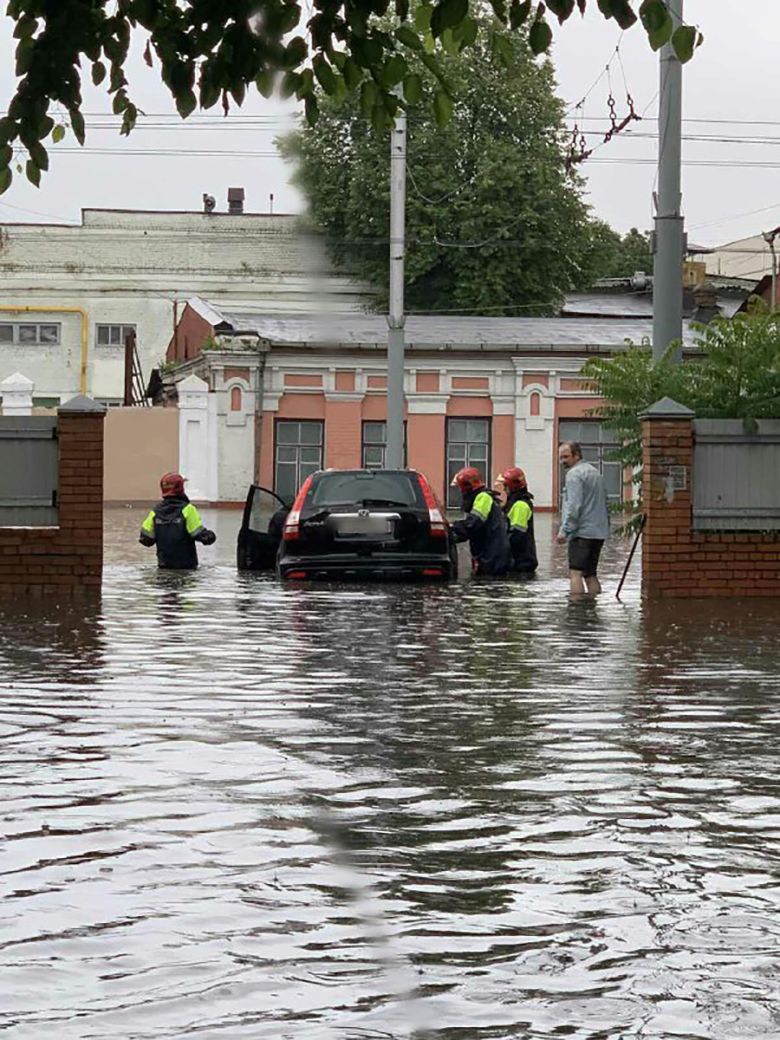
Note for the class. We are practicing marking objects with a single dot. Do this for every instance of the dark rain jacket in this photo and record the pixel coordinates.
(519, 512)
(174, 525)
(484, 528)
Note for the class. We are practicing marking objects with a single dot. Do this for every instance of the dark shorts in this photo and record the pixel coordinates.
(584, 555)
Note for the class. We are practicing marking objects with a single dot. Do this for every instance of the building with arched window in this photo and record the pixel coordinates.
(486, 392)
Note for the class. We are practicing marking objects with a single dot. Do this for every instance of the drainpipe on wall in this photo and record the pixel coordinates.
(8, 309)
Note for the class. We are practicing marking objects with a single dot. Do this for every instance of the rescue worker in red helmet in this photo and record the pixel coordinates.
(174, 526)
(484, 526)
(519, 512)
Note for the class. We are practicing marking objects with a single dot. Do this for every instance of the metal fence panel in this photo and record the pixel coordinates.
(28, 471)
(736, 476)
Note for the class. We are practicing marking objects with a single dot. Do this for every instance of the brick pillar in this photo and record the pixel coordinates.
(80, 493)
(667, 456)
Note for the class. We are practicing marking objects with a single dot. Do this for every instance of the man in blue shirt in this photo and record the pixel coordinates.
(585, 519)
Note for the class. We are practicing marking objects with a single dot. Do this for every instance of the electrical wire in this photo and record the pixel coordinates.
(641, 135)
(601, 75)
(443, 198)
(735, 216)
(236, 153)
(693, 119)
(34, 212)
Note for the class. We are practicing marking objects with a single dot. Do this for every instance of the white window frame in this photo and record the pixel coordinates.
(458, 454)
(123, 330)
(296, 449)
(380, 444)
(596, 442)
(16, 341)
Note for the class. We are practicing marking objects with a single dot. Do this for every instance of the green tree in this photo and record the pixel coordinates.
(620, 257)
(735, 374)
(494, 224)
(215, 50)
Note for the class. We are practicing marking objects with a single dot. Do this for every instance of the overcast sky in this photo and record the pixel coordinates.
(731, 180)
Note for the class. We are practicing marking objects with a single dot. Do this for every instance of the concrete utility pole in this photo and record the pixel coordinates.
(769, 238)
(394, 451)
(669, 234)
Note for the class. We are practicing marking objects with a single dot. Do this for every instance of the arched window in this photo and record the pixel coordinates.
(535, 404)
(236, 399)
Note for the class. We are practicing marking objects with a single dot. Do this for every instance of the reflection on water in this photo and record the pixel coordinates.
(232, 809)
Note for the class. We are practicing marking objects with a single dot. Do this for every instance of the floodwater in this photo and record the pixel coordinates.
(235, 810)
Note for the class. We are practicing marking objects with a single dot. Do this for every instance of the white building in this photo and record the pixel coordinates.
(745, 258)
(69, 293)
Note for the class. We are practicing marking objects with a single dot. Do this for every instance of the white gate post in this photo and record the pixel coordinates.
(17, 393)
(198, 439)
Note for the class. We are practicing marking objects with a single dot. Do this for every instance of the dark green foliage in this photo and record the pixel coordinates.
(211, 51)
(495, 224)
(735, 376)
(616, 257)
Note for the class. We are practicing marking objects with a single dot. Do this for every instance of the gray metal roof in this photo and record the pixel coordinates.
(619, 305)
(632, 305)
(432, 332)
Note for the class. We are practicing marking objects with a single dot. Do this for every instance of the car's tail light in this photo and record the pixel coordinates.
(432, 572)
(292, 523)
(437, 521)
(295, 575)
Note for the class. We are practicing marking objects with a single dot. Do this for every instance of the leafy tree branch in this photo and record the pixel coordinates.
(214, 51)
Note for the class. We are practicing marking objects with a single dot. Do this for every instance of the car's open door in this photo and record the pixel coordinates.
(261, 529)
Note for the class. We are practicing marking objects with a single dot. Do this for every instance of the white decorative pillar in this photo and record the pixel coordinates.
(17, 394)
(535, 450)
(198, 437)
(236, 425)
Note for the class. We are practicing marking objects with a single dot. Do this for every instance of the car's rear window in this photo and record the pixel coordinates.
(356, 487)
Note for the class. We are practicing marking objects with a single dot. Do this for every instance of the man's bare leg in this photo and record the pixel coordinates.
(577, 583)
(593, 585)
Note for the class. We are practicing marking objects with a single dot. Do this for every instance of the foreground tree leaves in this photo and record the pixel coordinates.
(212, 51)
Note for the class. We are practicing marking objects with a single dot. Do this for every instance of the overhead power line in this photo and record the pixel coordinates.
(637, 135)
(690, 119)
(236, 153)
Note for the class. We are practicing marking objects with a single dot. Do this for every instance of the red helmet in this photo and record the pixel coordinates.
(172, 485)
(468, 479)
(514, 479)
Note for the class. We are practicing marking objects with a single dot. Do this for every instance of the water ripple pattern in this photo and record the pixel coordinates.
(236, 810)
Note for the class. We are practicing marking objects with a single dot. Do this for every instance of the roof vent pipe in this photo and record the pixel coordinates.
(235, 200)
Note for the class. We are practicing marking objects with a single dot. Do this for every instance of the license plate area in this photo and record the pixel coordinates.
(357, 525)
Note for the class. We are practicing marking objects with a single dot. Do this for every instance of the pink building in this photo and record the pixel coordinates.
(487, 392)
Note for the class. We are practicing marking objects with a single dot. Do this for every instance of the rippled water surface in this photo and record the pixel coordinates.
(235, 810)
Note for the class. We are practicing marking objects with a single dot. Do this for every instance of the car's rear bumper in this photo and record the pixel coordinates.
(377, 567)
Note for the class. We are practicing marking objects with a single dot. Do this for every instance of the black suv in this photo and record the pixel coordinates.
(351, 524)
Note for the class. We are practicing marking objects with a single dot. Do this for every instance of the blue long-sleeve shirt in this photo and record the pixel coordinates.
(585, 510)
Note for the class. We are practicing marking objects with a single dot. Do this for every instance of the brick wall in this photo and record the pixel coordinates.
(678, 562)
(68, 558)
(189, 336)
(343, 439)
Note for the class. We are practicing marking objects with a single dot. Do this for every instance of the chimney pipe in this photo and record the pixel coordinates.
(235, 200)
